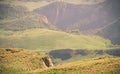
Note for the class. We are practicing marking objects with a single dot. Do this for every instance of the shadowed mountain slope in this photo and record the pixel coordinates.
(66, 54)
(84, 17)
(112, 31)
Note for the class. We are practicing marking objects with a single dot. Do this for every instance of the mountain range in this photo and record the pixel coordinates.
(85, 18)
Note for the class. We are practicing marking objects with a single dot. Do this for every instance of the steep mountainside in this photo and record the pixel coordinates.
(112, 31)
(83, 17)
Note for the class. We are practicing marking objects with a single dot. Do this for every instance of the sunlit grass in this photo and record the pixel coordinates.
(17, 61)
(106, 65)
(49, 39)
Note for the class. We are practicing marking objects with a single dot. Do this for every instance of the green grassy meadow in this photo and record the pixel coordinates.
(50, 40)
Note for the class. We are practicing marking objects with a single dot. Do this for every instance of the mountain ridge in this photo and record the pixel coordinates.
(84, 18)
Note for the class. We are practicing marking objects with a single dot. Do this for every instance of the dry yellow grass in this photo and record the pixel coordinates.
(20, 60)
(106, 65)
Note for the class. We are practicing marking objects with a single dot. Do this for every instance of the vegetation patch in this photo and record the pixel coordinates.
(16, 60)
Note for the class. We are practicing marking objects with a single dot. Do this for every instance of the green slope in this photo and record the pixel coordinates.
(107, 65)
(49, 39)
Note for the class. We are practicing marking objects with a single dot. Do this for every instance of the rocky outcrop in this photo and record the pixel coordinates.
(47, 61)
(45, 20)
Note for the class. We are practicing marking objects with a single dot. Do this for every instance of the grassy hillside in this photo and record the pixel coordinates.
(87, 2)
(19, 61)
(17, 18)
(28, 21)
(29, 4)
(106, 65)
(16, 60)
(49, 39)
